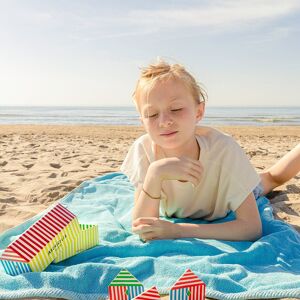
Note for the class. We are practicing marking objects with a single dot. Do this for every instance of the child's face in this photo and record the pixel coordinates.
(170, 114)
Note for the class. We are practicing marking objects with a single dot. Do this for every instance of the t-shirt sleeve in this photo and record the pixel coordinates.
(239, 176)
(136, 162)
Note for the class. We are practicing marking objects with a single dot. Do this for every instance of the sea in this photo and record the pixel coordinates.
(123, 115)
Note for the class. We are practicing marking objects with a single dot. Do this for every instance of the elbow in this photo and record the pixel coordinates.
(255, 232)
(256, 235)
(252, 230)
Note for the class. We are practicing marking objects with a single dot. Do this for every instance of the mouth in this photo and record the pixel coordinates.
(170, 133)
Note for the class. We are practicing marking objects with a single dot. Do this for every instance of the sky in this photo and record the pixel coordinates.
(89, 53)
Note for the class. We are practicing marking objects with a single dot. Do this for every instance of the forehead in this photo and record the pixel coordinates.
(163, 91)
(150, 105)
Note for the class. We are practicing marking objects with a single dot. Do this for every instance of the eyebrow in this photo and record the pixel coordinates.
(147, 106)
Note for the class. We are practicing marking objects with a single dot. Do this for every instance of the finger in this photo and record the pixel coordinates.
(144, 220)
(197, 166)
(194, 179)
(142, 229)
(196, 171)
(148, 236)
(197, 175)
(190, 178)
(190, 175)
(193, 164)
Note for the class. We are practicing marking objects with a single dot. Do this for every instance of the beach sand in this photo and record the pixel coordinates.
(39, 164)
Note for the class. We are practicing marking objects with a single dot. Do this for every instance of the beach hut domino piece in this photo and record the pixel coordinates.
(188, 287)
(54, 237)
(124, 286)
(36, 248)
(88, 237)
(150, 294)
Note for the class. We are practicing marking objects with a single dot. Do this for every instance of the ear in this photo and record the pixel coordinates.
(200, 111)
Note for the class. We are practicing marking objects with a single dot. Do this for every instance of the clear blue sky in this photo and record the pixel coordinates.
(89, 52)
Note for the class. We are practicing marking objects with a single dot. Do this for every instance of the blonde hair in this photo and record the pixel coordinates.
(161, 71)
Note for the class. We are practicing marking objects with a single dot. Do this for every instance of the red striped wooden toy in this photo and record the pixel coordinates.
(124, 287)
(54, 237)
(151, 294)
(188, 287)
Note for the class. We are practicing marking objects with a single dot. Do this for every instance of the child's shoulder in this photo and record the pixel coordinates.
(214, 136)
(143, 143)
(143, 140)
(216, 144)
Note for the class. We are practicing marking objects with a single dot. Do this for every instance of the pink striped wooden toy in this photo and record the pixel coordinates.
(188, 287)
(54, 237)
(151, 293)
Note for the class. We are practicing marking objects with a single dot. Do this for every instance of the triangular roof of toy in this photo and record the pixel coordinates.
(186, 280)
(151, 293)
(125, 278)
(9, 254)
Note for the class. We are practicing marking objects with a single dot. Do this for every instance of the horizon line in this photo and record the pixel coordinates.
(128, 106)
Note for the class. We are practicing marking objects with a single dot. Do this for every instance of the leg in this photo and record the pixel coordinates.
(285, 169)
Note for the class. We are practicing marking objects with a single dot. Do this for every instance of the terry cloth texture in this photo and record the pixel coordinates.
(267, 268)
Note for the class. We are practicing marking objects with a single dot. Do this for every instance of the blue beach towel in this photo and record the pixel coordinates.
(267, 268)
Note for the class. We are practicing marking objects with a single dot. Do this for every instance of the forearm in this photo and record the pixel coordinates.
(146, 206)
(237, 230)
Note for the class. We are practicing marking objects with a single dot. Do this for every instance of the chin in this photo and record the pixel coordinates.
(169, 144)
(174, 143)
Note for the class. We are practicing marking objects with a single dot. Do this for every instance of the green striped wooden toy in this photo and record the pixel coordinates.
(124, 287)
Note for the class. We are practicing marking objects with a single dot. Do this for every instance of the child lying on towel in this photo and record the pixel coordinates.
(183, 171)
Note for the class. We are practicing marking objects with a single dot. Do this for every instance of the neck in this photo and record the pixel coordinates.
(190, 149)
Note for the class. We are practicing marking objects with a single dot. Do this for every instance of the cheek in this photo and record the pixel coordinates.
(150, 126)
(187, 119)
(185, 115)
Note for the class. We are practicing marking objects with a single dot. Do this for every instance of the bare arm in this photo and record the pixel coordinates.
(147, 224)
(172, 168)
(247, 226)
(145, 206)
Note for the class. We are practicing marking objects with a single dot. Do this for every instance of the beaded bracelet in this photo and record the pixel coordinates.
(150, 195)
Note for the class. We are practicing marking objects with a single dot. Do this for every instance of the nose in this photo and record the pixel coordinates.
(165, 120)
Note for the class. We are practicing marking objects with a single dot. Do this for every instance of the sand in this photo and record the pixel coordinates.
(39, 164)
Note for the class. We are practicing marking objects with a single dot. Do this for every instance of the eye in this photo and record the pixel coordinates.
(177, 109)
(148, 116)
(153, 116)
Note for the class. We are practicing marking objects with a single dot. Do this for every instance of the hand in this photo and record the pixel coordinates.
(154, 229)
(179, 168)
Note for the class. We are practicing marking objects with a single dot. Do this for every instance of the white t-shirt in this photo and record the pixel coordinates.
(228, 177)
